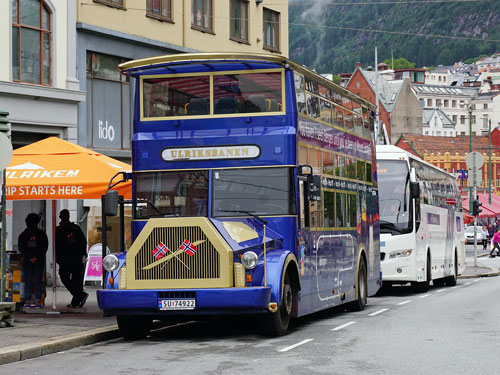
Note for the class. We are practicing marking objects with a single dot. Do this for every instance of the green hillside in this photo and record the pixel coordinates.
(321, 35)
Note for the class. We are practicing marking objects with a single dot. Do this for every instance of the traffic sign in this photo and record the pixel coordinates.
(474, 159)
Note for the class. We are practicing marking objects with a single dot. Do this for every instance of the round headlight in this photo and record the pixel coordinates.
(249, 260)
(110, 262)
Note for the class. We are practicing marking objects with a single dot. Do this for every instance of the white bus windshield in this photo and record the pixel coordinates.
(394, 187)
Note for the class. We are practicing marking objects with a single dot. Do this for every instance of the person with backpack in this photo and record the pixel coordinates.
(33, 244)
(71, 255)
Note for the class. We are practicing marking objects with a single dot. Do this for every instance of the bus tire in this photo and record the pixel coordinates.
(276, 323)
(360, 303)
(423, 287)
(134, 327)
(452, 280)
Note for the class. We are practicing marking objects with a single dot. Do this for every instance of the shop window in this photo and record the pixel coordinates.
(31, 42)
(239, 20)
(202, 15)
(271, 30)
(160, 9)
(108, 102)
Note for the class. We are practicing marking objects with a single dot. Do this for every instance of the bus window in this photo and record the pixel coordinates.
(299, 92)
(368, 173)
(176, 96)
(329, 209)
(340, 209)
(360, 173)
(340, 163)
(351, 205)
(312, 106)
(338, 116)
(351, 168)
(326, 111)
(328, 163)
(247, 93)
(314, 160)
(348, 120)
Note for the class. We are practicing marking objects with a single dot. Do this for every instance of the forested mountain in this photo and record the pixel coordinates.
(322, 34)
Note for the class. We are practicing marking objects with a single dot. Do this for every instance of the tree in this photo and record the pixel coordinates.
(400, 63)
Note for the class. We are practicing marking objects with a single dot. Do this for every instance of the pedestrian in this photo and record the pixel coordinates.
(495, 244)
(484, 235)
(33, 244)
(491, 231)
(71, 255)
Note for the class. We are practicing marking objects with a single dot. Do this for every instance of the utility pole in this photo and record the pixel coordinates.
(5, 156)
(470, 150)
(378, 128)
(489, 161)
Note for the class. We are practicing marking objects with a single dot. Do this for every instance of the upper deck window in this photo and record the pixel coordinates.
(176, 96)
(172, 96)
(247, 93)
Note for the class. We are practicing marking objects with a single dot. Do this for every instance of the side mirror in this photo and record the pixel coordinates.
(414, 190)
(111, 203)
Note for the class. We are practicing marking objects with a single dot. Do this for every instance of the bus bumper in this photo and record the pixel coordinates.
(208, 301)
(398, 270)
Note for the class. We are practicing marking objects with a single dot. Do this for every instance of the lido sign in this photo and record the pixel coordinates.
(210, 153)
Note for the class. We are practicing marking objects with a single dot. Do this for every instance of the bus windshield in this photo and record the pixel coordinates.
(260, 191)
(169, 194)
(395, 211)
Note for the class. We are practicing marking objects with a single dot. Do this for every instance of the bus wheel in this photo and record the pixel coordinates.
(452, 280)
(134, 327)
(276, 323)
(423, 286)
(360, 303)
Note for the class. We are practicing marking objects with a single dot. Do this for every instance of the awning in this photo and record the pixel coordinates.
(56, 169)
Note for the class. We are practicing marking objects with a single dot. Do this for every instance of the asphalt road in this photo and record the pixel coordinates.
(445, 331)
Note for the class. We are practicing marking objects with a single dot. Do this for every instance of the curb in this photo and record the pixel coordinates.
(56, 344)
(494, 272)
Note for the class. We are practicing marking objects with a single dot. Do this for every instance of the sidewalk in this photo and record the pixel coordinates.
(39, 333)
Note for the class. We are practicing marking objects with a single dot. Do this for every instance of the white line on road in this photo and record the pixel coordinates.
(294, 346)
(342, 326)
(425, 295)
(404, 302)
(467, 284)
(378, 312)
(476, 280)
(441, 290)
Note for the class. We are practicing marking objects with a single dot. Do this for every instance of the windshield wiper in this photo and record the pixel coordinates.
(255, 216)
(388, 227)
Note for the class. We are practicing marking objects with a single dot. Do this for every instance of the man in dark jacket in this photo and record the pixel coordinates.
(33, 244)
(71, 255)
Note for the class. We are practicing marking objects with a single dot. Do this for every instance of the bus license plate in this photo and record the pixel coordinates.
(176, 304)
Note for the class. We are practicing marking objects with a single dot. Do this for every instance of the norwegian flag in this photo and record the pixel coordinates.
(160, 251)
(188, 248)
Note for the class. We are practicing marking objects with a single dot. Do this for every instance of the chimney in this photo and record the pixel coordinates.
(358, 65)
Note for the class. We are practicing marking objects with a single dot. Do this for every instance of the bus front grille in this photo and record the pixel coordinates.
(176, 263)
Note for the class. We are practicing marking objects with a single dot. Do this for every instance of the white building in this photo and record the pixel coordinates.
(436, 122)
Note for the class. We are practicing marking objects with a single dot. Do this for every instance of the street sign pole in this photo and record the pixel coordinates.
(474, 161)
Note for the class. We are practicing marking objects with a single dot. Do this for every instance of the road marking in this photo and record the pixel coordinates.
(467, 284)
(441, 290)
(476, 280)
(342, 326)
(404, 302)
(294, 346)
(425, 295)
(378, 312)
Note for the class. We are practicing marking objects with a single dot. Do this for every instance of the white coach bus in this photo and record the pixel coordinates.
(421, 221)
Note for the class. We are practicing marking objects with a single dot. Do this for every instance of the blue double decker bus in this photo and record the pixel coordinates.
(253, 193)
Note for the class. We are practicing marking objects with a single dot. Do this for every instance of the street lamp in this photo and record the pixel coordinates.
(489, 161)
(470, 150)
(6, 153)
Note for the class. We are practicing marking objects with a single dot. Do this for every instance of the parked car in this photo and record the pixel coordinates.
(469, 234)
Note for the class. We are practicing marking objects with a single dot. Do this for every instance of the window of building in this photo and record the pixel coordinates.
(108, 102)
(31, 42)
(429, 102)
(239, 20)
(114, 3)
(473, 119)
(438, 102)
(453, 103)
(462, 120)
(271, 30)
(161, 9)
(446, 103)
(455, 119)
(202, 14)
(485, 106)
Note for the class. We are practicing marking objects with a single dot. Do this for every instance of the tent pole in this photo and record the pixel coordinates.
(104, 237)
(54, 276)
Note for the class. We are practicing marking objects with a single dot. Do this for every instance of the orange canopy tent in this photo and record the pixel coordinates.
(54, 169)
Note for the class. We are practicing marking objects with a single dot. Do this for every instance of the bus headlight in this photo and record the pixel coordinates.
(249, 260)
(110, 262)
(400, 254)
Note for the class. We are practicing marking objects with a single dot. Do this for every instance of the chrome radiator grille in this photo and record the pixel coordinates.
(204, 264)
